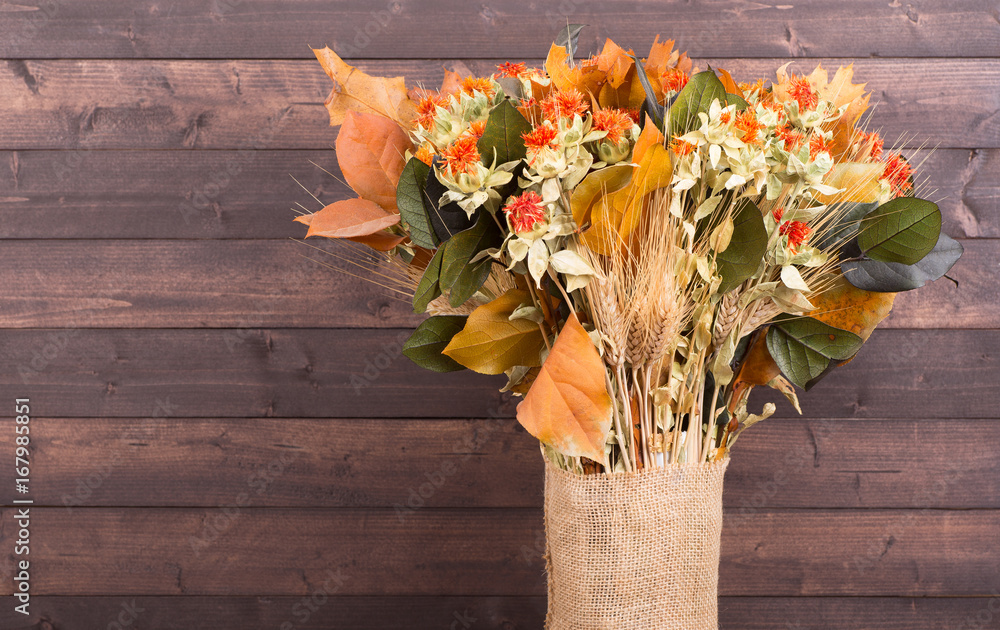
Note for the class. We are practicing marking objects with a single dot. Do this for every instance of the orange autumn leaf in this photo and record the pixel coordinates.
(662, 57)
(452, 82)
(729, 84)
(615, 63)
(350, 218)
(371, 150)
(356, 91)
(584, 76)
(847, 307)
(568, 406)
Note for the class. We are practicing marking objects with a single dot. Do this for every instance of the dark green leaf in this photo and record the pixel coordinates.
(429, 286)
(426, 343)
(845, 227)
(804, 347)
(903, 231)
(746, 247)
(874, 275)
(414, 206)
(503, 134)
(568, 37)
(449, 219)
(460, 276)
(737, 100)
(697, 96)
(652, 105)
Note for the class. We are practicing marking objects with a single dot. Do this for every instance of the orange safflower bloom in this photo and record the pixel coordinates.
(425, 155)
(537, 139)
(797, 232)
(563, 105)
(872, 140)
(802, 91)
(477, 84)
(789, 136)
(899, 174)
(746, 121)
(682, 147)
(477, 128)
(427, 108)
(614, 121)
(461, 156)
(673, 80)
(817, 145)
(524, 211)
(749, 89)
(510, 70)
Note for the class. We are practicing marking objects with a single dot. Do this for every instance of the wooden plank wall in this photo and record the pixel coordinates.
(226, 435)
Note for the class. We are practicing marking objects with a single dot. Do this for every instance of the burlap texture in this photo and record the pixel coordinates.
(630, 551)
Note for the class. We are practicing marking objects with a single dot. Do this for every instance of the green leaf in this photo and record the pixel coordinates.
(697, 96)
(429, 286)
(503, 134)
(746, 248)
(737, 100)
(460, 276)
(845, 226)
(804, 348)
(414, 206)
(874, 275)
(426, 343)
(903, 231)
(568, 37)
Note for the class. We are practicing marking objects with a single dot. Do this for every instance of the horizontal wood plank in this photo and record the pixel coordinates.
(255, 284)
(234, 194)
(343, 373)
(499, 613)
(163, 104)
(294, 462)
(265, 28)
(243, 550)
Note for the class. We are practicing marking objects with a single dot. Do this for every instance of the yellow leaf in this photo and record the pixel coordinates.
(847, 307)
(840, 91)
(371, 152)
(615, 63)
(596, 185)
(568, 406)
(357, 91)
(349, 218)
(860, 182)
(491, 343)
(616, 215)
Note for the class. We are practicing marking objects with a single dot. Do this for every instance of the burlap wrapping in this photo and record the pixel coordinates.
(630, 551)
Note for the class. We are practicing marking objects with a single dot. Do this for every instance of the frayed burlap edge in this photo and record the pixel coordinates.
(634, 550)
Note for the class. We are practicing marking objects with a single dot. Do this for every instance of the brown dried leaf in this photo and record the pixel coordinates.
(357, 91)
(371, 151)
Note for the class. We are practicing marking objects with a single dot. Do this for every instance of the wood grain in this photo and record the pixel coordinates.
(493, 613)
(244, 550)
(297, 462)
(258, 284)
(232, 194)
(336, 373)
(169, 104)
(269, 29)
